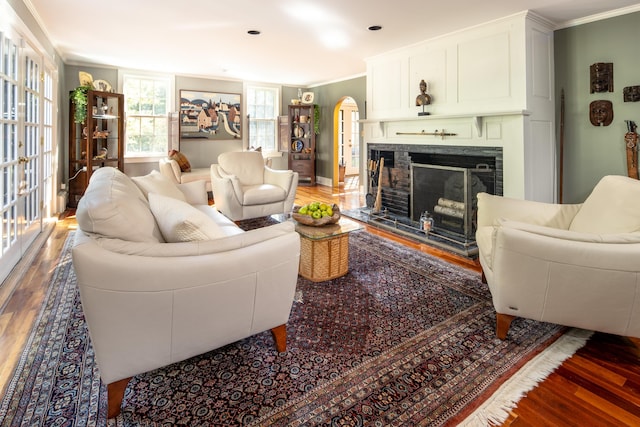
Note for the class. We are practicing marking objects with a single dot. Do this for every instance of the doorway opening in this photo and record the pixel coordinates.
(346, 146)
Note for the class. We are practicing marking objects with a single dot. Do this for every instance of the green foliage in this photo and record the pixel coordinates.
(79, 99)
(316, 119)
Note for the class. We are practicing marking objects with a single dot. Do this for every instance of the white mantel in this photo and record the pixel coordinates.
(492, 85)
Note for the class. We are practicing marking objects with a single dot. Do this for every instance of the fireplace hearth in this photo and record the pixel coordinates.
(439, 181)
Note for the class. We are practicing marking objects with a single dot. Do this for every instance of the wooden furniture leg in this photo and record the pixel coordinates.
(503, 321)
(483, 279)
(115, 394)
(280, 336)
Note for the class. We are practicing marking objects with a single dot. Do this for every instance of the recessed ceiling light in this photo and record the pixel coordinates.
(253, 32)
(375, 27)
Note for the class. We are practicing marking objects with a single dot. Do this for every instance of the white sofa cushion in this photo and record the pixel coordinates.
(612, 207)
(114, 207)
(181, 222)
(263, 194)
(155, 182)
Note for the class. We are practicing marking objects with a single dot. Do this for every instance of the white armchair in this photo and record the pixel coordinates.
(575, 265)
(243, 187)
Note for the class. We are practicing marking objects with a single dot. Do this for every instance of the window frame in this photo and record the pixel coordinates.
(277, 91)
(170, 102)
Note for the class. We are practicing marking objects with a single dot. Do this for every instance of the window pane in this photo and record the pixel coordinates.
(147, 106)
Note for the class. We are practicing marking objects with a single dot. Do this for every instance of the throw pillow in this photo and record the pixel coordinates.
(180, 222)
(184, 164)
(155, 182)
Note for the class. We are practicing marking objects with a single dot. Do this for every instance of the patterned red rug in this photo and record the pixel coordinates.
(402, 339)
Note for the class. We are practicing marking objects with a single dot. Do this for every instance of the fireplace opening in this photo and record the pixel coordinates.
(448, 195)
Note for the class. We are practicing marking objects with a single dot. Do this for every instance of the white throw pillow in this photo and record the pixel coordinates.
(180, 222)
(157, 183)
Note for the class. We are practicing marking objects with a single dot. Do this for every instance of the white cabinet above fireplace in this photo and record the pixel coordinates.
(499, 66)
(491, 85)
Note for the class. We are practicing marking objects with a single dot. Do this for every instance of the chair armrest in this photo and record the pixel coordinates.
(281, 178)
(170, 169)
(492, 208)
(618, 238)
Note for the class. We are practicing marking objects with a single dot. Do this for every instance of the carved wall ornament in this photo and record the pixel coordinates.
(631, 93)
(601, 77)
(601, 113)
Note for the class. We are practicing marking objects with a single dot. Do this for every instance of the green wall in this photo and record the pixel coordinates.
(591, 152)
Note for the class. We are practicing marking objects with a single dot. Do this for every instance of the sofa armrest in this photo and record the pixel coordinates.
(145, 312)
(492, 208)
(195, 192)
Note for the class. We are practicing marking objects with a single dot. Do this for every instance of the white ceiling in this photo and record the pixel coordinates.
(302, 42)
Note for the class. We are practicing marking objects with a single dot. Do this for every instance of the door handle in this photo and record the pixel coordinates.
(22, 160)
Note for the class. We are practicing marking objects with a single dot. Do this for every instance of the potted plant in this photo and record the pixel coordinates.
(79, 100)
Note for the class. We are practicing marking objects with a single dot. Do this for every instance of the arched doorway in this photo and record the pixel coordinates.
(346, 140)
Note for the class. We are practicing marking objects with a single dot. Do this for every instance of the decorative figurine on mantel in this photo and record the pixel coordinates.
(423, 99)
(601, 113)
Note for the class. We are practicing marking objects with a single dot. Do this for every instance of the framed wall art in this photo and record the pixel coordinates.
(210, 115)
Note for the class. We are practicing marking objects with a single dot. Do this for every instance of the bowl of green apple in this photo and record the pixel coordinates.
(316, 214)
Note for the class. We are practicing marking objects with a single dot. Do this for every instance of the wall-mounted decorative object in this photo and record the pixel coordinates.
(307, 98)
(631, 94)
(211, 115)
(631, 143)
(601, 77)
(601, 113)
(423, 98)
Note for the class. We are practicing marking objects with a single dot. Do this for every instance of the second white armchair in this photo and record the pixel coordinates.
(243, 187)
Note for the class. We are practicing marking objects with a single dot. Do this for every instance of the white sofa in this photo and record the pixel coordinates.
(162, 280)
(244, 187)
(170, 168)
(571, 264)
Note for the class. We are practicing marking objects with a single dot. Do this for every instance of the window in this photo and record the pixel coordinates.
(263, 108)
(148, 100)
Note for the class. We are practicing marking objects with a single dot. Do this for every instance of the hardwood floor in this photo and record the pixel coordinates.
(598, 386)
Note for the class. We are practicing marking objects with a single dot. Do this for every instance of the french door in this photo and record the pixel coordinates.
(349, 137)
(26, 146)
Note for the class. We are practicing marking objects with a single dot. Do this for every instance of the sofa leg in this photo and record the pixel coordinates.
(115, 394)
(483, 279)
(503, 322)
(280, 336)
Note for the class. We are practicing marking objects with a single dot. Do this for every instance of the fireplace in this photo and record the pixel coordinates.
(448, 195)
(416, 177)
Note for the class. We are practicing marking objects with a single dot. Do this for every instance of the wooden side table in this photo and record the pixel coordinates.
(324, 251)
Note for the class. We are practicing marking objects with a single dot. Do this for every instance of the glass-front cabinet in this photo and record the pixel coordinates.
(302, 143)
(96, 142)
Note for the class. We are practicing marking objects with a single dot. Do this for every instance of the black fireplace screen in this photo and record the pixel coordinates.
(448, 194)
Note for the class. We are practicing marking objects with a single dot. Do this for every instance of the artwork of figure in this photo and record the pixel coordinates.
(631, 93)
(601, 77)
(601, 113)
(423, 98)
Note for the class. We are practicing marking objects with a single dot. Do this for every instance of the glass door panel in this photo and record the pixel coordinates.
(9, 153)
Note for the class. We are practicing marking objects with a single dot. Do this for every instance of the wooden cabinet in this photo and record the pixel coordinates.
(97, 142)
(302, 143)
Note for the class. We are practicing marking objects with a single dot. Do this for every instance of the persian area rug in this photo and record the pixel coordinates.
(402, 339)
